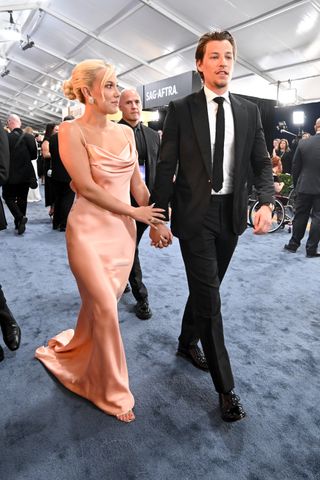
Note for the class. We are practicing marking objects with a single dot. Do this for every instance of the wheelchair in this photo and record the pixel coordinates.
(282, 214)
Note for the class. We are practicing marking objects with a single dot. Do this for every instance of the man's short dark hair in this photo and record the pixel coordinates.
(68, 117)
(209, 37)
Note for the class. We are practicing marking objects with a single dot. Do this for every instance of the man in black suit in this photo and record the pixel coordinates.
(210, 145)
(60, 179)
(306, 181)
(10, 329)
(148, 145)
(23, 149)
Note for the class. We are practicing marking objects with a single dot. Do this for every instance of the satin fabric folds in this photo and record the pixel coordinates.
(90, 360)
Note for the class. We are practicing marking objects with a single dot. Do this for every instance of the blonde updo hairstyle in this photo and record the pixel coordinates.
(83, 75)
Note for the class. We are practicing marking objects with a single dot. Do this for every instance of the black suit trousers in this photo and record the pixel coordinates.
(306, 205)
(206, 257)
(139, 290)
(15, 197)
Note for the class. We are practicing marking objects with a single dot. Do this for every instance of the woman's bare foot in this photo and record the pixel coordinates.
(126, 417)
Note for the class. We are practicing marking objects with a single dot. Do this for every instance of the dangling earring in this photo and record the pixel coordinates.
(91, 100)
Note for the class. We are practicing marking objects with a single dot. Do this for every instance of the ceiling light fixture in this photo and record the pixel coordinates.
(4, 73)
(12, 32)
(27, 44)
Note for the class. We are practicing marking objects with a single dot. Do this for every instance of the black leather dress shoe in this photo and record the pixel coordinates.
(195, 355)
(142, 310)
(313, 254)
(290, 248)
(230, 407)
(22, 225)
(1, 354)
(11, 331)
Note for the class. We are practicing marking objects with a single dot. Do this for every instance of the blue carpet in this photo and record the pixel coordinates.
(272, 327)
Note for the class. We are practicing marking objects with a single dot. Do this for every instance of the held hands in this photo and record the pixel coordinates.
(161, 237)
(262, 220)
(150, 215)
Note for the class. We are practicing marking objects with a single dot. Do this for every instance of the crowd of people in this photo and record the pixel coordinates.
(115, 180)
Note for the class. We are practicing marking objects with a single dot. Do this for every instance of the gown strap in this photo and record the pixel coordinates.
(124, 130)
(132, 146)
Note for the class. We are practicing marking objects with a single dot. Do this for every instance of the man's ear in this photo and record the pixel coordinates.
(198, 64)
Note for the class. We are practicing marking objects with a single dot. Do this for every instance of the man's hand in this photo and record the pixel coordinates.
(262, 220)
(161, 236)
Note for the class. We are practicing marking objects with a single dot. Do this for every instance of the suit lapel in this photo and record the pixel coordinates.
(199, 115)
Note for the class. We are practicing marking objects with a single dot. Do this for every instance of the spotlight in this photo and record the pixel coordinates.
(298, 117)
(4, 73)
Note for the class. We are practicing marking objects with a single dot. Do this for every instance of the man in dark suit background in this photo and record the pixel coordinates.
(62, 193)
(211, 153)
(148, 144)
(23, 149)
(306, 181)
(10, 329)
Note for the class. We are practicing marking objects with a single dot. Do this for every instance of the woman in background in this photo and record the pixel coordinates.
(51, 128)
(285, 154)
(100, 157)
(277, 170)
(275, 147)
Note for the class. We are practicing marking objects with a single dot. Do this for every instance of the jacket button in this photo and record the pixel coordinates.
(209, 181)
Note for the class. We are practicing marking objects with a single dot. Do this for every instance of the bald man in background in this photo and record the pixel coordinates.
(148, 145)
(23, 149)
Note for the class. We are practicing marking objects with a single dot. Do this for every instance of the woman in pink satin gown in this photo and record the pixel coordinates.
(100, 157)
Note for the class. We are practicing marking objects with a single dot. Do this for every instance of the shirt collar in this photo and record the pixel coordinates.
(210, 95)
(137, 127)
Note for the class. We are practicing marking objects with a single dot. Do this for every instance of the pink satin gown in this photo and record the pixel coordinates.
(90, 361)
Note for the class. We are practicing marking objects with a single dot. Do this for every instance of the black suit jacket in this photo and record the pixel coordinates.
(59, 173)
(21, 153)
(186, 145)
(306, 166)
(4, 155)
(152, 139)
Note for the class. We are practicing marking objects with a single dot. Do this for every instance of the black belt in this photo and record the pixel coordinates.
(222, 197)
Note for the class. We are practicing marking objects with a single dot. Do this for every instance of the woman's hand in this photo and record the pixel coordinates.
(149, 215)
(162, 237)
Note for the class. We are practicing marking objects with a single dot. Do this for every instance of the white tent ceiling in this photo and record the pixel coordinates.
(278, 41)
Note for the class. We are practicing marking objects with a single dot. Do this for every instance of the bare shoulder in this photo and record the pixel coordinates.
(69, 129)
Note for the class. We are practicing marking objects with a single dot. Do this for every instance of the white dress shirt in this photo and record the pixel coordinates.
(228, 152)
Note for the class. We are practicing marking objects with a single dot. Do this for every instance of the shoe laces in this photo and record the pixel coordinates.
(235, 399)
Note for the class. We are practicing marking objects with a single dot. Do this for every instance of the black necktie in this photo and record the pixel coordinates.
(217, 171)
(141, 145)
